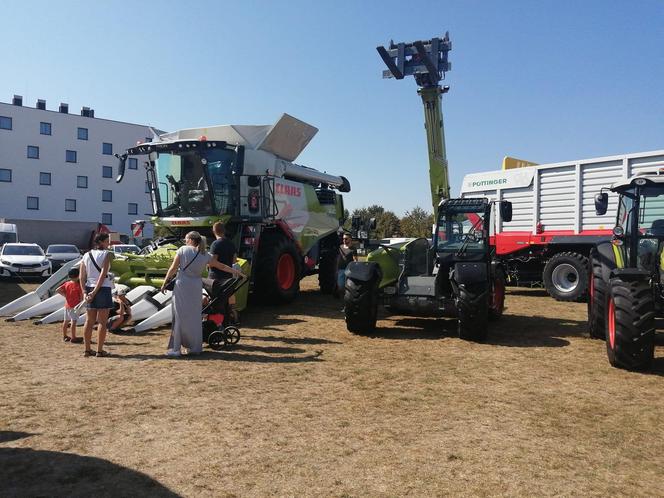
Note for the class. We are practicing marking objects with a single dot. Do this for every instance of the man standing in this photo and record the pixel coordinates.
(346, 255)
(223, 250)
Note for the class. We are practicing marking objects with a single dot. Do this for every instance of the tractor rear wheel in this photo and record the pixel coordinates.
(278, 269)
(497, 298)
(361, 305)
(630, 319)
(566, 276)
(597, 298)
(473, 310)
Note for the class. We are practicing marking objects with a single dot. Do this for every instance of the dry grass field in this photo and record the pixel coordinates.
(301, 407)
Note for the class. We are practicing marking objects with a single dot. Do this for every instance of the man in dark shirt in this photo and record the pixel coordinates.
(223, 250)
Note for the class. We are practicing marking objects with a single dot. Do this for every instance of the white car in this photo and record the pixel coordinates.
(25, 260)
(59, 254)
(125, 249)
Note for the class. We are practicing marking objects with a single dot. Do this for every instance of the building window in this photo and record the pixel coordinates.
(5, 123)
(33, 152)
(70, 205)
(82, 182)
(106, 172)
(82, 133)
(107, 218)
(107, 195)
(107, 149)
(44, 178)
(133, 208)
(70, 156)
(44, 128)
(133, 163)
(147, 187)
(33, 202)
(5, 175)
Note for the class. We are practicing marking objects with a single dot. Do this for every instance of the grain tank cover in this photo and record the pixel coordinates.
(286, 139)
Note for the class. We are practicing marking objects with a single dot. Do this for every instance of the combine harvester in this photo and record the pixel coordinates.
(284, 217)
(554, 223)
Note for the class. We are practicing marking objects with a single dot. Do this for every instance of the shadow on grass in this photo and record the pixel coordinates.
(527, 292)
(234, 353)
(290, 340)
(28, 472)
(9, 290)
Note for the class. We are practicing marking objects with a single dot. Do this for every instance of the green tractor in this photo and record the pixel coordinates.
(627, 273)
(457, 276)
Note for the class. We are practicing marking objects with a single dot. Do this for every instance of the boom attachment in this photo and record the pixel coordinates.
(427, 62)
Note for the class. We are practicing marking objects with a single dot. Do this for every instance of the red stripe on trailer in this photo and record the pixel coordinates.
(509, 242)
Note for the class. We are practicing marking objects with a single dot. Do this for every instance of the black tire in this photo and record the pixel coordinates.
(497, 297)
(566, 276)
(630, 338)
(327, 265)
(208, 327)
(473, 309)
(232, 334)
(274, 247)
(361, 306)
(598, 297)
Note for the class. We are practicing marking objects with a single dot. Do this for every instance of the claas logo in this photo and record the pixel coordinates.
(289, 190)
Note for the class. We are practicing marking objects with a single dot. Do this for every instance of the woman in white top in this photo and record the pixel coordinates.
(96, 285)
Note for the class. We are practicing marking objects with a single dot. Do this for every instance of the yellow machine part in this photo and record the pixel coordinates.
(514, 163)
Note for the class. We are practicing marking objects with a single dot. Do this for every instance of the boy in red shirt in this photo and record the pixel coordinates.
(73, 296)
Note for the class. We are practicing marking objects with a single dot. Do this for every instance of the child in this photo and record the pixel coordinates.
(121, 313)
(71, 290)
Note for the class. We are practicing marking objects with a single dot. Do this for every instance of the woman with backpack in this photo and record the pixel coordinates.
(96, 285)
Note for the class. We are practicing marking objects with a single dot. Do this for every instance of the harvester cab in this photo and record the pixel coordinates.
(283, 217)
(627, 272)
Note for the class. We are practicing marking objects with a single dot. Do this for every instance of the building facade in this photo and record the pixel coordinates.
(57, 173)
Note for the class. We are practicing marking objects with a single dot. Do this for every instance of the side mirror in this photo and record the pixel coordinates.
(121, 167)
(601, 203)
(48, 255)
(355, 222)
(506, 211)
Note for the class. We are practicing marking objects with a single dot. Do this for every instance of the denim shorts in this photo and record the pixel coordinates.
(103, 299)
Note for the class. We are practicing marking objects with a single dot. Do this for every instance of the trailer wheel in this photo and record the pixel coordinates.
(566, 276)
(597, 298)
(473, 310)
(497, 298)
(630, 338)
(278, 269)
(361, 305)
(327, 269)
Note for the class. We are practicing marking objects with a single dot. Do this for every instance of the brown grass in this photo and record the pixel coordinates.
(301, 407)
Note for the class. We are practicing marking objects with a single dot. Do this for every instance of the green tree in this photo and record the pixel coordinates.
(417, 223)
(387, 223)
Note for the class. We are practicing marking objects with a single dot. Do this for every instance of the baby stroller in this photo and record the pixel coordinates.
(218, 331)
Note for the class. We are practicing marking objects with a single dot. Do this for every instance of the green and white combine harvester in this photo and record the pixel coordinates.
(458, 276)
(284, 217)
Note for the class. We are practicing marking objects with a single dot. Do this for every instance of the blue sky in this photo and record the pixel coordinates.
(544, 80)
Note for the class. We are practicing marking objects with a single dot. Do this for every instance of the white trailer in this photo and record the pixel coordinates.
(554, 223)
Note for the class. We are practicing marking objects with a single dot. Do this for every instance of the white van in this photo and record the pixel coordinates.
(8, 233)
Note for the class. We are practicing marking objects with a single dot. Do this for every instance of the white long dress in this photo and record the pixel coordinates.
(187, 301)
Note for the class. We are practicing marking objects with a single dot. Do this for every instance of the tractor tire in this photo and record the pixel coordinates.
(361, 306)
(630, 319)
(327, 270)
(473, 310)
(278, 269)
(497, 297)
(598, 298)
(566, 276)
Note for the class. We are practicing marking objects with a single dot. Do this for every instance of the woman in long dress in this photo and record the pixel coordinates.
(189, 263)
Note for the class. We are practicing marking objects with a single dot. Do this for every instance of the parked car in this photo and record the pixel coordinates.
(59, 254)
(24, 260)
(125, 248)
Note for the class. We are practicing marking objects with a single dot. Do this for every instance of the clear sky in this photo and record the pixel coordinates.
(544, 80)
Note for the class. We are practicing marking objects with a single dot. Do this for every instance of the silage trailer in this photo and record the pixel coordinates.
(554, 224)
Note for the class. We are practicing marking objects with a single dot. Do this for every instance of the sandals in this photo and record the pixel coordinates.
(103, 354)
(89, 352)
(66, 338)
(76, 340)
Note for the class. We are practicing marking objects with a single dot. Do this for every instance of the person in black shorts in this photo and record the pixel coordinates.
(223, 250)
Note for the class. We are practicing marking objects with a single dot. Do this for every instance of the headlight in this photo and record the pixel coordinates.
(5, 262)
